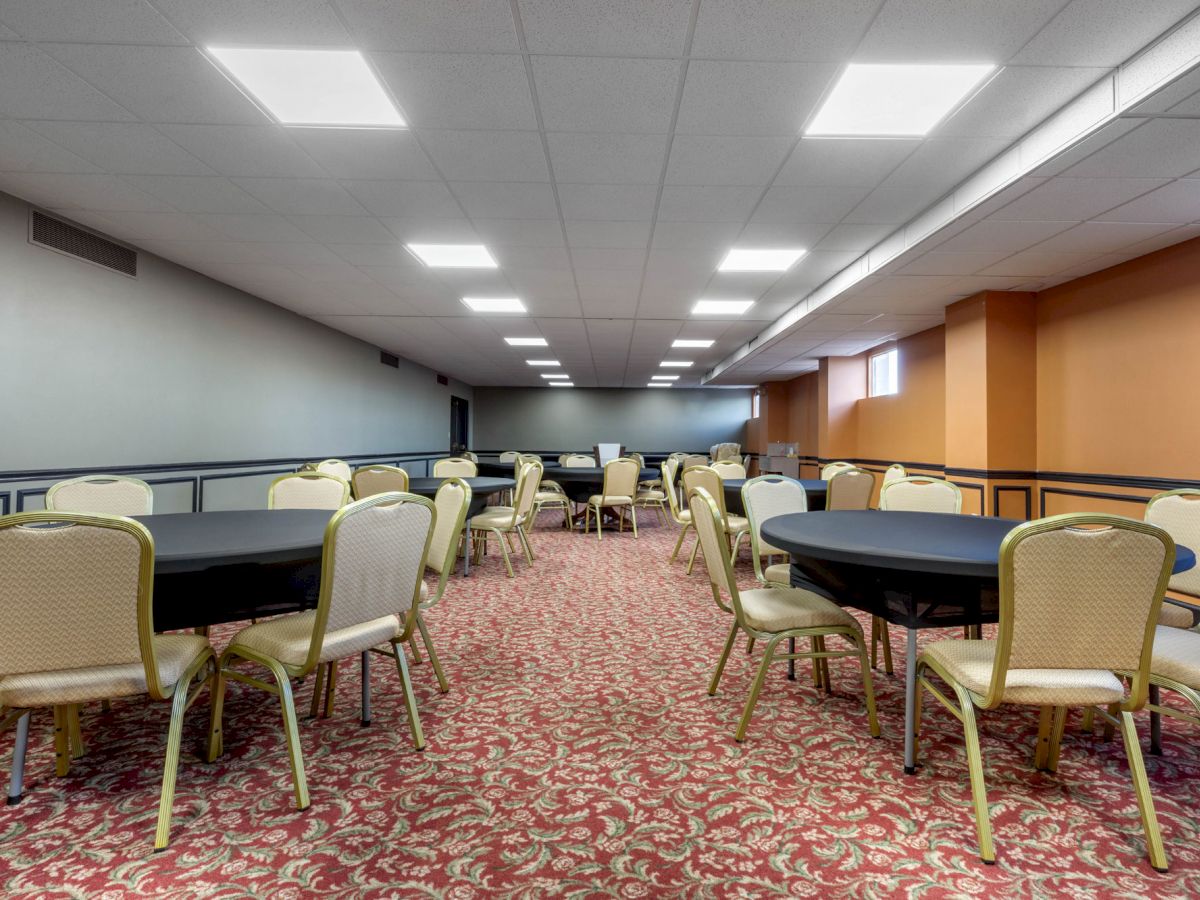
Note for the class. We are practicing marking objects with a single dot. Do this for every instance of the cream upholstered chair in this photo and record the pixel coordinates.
(505, 521)
(308, 490)
(1079, 599)
(371, 567)
(337, 467)
(916, 493)
(893, 472)
(729, 468)
(579, 461)
(693, 459)
(682, 517)
(849, 489)
(764, 498)
(509, 456)
(455, 466)
(1178, 513)
(746, 462)
(113, 495)
(371, 480)
(618, 491)
(727, 450)
(550, 495)
(471, 455)
(451, 502)
(771, 614)
(831, 469)
(76, 603)
(736, 527)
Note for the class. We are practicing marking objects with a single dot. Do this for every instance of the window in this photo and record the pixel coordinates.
(884, 373)
(754, 399)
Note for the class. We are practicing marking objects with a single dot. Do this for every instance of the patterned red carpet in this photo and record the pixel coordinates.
(578, 754)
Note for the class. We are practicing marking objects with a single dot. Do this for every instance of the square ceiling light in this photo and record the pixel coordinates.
(894, 100)
(550, 376)
(543, 362)
(453, 256)
(753, 259)
(525, 342)
(664, 377)
(659, 384)
(721, 307)
(495, 304)
(317, 88)
(675, 364)
(683, 342)
(561, 384)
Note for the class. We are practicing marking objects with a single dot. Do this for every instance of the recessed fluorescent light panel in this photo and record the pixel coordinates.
(690, 343)
(894, 100)
(664, 377)
(453, 256)
(721, 307)
(317, 88)
(525, 342)
(495, 304)
(658, 384)
(542, 362)
(561, 384)
(674, 364)
(550, 376)
(750, 259)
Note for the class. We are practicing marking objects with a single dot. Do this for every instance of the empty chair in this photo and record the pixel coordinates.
(113, 495)
(771, 614)
(509, 456)
(729, 468)
(1178, 513)
(337, 467)
(308, 490)
(451, 501)
(579, 461)
(505, 521)
(1079, 597)
(849, 489)
(894, 471)
(371, 480)
(736, 527)
(831, 469)
(550, 495)
(916, 493)
(618, 491)
(764, 498)
(79, 626)
(471, 455)
(692, 459)
(682, 517)
(372, 564)
(727, 450)
(455, 466)
(746, 462)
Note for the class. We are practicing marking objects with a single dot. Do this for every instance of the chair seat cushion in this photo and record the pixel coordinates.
(736, 524)
(550, 497)
(780, 573)
(1176, 655)
(650, 494)
(970, 664)
(684, 515)
(173, 653)
(494, 517)
(781, 609)
(598, 500)
(286, 638)
(1175, 616)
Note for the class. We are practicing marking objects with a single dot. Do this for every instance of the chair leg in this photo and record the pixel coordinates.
(1141, 787)
(74, 732)
(443, 685)
(526, 546)
(599, 521)
(823, 664)
(886, 638)
(679, 541)
(749, 646)
(712, 685)
(292, 732)
(869, 686)
(633, 519)
(331, 688)
(166, 800)
(216, 740)
(983, 823)
(692, 559)
(874, 641)
(505, 554)
(1056, 734)
(1155, 722)
(410, 701)
(62, 743)
(1042, 751)
(816, 667)
(20, 745)
(740, 734)
(314, 709)
(365, 662)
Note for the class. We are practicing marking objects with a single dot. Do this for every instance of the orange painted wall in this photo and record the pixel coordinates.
(911, 425)
(802, 413)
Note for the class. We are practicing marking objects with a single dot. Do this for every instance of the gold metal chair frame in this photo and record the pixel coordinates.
(283, 673)
(309, 476)
(735, 537)
(68, 741)
(830, 469)
(447, 566)
(525, 471)
(938, 484)
(670, 468)
(621, 462)
(1053, 718)
(101, 479)
(367, 471)
(455, 462)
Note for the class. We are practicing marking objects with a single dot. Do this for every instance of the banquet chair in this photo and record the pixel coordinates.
(371, 567)
(681, 517)
(1079, 599)
(849, 489)
(505, 521)
(727, 450)
(736, 527)
(550, 495)
(772, 614)
(337, 467)
(692, 459)
(308, 490)
(618, 491)
(579, 461)
(917, 493)
(1178, 513)
(471, 455)
(451, 502)
(651, 494)
(893, 472)
(729, 468)
(746, 463)
(371, 480)
(831, 469)
(76, 602)
(509, 456)
(112, 495)
(455, 466)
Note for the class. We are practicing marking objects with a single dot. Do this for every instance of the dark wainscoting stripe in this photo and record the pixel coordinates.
(1021, 489)
(1127, 498)
(192, 480)
(4, 500)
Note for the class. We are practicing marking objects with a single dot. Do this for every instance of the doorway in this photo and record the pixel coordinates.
(459, 425)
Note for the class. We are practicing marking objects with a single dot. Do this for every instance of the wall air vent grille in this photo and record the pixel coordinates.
(389, 359)
(63, 237)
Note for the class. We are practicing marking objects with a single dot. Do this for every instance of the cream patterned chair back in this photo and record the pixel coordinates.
(894, 472)
(621, 478)
(726, 450)
(850, 489)
(920, 494)
(371, 480)
(639, 459)
(708, 520)
(1081, 592)
(76, 593)
(562, 458)
(451, 502)
(308, 490)
(471, 455)
(831, 469)
(766, 497)
(525, 493)
(371, 567)
(112, 495)
(729, 468)
(693, 459)
(705, 477)
(509, 456)
(455, 467)
(579, 461)
(668, 469)
(336, 467)
(1178, 513)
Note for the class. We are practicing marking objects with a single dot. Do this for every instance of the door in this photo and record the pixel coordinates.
(459, 425)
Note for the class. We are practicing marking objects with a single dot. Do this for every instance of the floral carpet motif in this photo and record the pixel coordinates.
(578, 754)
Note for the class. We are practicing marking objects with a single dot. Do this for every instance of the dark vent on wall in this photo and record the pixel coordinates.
(442, 379)
(388, 360)
(72, 240)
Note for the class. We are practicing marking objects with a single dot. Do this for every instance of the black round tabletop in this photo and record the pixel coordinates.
(814, 489)
(481, 489)
(191, 542)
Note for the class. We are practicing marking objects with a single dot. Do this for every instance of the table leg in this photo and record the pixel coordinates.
(910, 701)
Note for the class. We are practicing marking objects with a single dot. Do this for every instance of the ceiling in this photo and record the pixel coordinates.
(608, 153)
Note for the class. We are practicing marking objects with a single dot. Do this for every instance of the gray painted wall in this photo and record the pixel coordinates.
(576, 418)
(103, 370)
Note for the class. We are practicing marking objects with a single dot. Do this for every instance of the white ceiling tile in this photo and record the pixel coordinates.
(814, 31)
(941, 163)
(464, 26)
(198, 193)
(1164, 148)
(714, 203)
(695, 235)
(606, 202)
(832, 162)
(854, 238)
(597, 94)
(459, 90)
(1178, 201)
(344, 229)
(302, 196)
(167, 226)
(1077, 198)
(608, 234)
(996, 235)
(405, 199)
(115, 21)
(123, 148)
(711, 159)
(612, 28)
(257, 22)
(505, 200)
(487, 155)
(24, 150)
(746, 98)
(1103, 237)
(938, 262)
(190, 253)
(160, 84)
(520, 232)
(786, 234)
(246, 150)
(608, 258)
(242, 227)
(1036, 262)
(532, 257)
(808, 204)
(366, 153)
(1016, 100)
(959, 31)
(1100, 32)
(607, 158)
(1164, 239)
(389, 254)
(70, 191)
(296, 254)
(38, 87)
(890, 205)
(432, 231)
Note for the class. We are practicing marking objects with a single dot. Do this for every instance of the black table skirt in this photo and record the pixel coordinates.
(815, 490)
(481, 489)
(579, 484)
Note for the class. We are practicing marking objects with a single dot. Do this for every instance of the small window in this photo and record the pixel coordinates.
(885, 377)
(754, 400)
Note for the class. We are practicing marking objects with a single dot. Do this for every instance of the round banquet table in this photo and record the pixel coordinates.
(494, 469)
(481, 489)
(579, 484)
(913, 569)
(814, 488)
